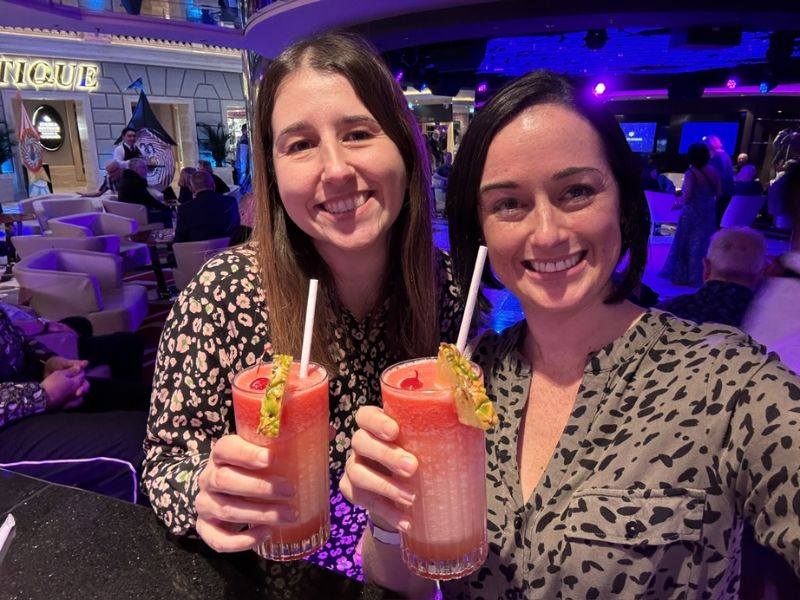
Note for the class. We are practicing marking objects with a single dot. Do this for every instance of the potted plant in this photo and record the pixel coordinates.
(214, 140)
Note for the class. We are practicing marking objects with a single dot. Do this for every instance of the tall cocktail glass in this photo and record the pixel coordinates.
(447, 538)
(299, 453)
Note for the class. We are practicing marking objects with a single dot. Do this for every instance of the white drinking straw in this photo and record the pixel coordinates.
(311, 307)
(474, 286)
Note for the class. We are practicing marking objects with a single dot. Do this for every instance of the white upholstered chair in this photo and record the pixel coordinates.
(64, 283)
(742, 211)
(28, 244)
(53, 208)
(134, 254)
(138, 212)
(191, 256)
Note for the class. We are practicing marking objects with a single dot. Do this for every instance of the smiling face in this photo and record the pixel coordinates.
(340, 177)
(549, 210)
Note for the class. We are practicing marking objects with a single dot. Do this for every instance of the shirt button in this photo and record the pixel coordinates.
(633, 528)
(518, 523)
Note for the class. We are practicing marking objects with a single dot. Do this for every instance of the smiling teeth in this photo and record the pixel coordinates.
(555, 266)
(337, 207)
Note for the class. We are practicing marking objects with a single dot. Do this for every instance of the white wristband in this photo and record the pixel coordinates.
(386, 537)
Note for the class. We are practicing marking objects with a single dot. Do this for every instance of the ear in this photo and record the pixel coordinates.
(706, 269)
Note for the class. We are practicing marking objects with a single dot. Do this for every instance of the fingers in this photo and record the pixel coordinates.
(368, 481)
(391, 456)
(236, 481)
(380, 508)
(234, 450)
(223, 540)
(374, 420)
(224, 508)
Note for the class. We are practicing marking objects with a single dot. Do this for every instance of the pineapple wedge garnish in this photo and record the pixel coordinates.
(472, 404)
(269, 422)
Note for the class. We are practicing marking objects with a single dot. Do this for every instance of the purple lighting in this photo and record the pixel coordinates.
(398, 77)
(483, 87)
(599, 89)
(731, 84)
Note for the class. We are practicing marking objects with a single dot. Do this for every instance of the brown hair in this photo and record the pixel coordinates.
(287, 257)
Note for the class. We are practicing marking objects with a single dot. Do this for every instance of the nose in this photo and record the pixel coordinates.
(547, 227)
(336, 167)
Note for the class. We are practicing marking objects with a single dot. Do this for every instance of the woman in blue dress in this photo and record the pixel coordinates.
(701, 186)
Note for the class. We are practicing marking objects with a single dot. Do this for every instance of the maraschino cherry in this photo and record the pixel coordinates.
(259, 384)
(412, 383)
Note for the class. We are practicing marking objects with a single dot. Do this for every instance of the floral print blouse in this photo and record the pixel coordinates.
(220, 325)
(21, 359)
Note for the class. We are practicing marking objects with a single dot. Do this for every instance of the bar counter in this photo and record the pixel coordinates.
(69, 543)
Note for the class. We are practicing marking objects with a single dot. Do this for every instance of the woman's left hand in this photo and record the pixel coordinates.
(58, 363)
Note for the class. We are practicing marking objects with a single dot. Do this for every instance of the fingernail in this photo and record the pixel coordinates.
(407, 498)
(404, 526)
(263, 457)
(286, 489)
(407, 464)
(289, 514)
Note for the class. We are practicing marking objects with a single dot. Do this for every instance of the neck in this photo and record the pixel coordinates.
(558, 344)
(743, 281)
(358, 282)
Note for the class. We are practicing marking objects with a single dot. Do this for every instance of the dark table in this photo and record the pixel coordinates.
(156, 239)
(75, 544)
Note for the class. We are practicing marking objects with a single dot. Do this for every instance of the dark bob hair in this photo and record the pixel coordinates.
(535, 88)
(699, 155)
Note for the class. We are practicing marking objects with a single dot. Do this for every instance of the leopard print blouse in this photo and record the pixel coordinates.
(220, 325)
(679, 434)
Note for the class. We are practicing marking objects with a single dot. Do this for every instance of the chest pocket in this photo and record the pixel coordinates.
(636, 517)
(632, 543)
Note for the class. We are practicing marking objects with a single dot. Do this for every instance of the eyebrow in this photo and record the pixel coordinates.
(557, 176)
(348, 120)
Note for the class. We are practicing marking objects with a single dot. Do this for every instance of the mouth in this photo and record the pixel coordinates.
(343, 205)
(554, 266)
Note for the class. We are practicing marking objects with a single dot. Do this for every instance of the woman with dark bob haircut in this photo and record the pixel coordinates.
(341, 172)
(631, 446)
(697, 223)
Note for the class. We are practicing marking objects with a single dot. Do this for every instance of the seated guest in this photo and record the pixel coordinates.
(654, 182)
(110, 181)
(133, 188)
(52, 419)
(247, 217)
(208, 215)
(184, 189)
(773, 318)
(219, 186)
(732, 269)
(745, 182)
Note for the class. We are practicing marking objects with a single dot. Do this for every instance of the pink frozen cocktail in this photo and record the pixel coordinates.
(299, 453)
(447, 538)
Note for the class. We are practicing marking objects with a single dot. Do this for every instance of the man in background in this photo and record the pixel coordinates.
(133, 189)
(127, 150)
(733, 267)
(207, 216)
(110, 181)
(721, 163)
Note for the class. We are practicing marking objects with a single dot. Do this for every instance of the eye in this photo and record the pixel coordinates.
(298, 146)
(358, 135)
(580, 192)
(506, 207)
